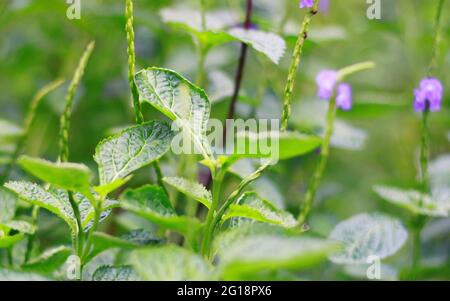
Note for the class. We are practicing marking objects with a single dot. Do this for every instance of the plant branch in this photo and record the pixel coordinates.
(29, 118)
(295, 63)
(67, 114)
(318, 174)
(240, 70)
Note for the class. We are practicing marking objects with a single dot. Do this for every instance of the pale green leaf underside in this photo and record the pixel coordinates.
(115, 273)
(270, 252)
(169, 263)
(48, 261)
(20, 226)
(152, 203)
(190, 188)
(8, 201)
(52, 201)
(270, 44)
(181, 101)
(70, 176)
(412, 200)
(135, 147)
(9, 275)
(252, 206)
(367, 235)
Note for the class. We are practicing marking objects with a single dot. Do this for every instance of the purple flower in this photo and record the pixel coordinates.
(306, 3)
(324, 5)
(344, 97)
(429, 94)
(326, 80)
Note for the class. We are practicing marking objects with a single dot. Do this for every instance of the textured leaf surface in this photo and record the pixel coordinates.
(20, 226)
(367, 235)
(251, 206)
(48, 261)
(152, 203)
(87, 211)
(269, 252)
(169, 263)
(270, 44)
(52, 201)
(135, 147)
(181, 101)
(70, 176)
(412, 200)
(115, 273)
(9, 275)
(8, 201)
(190, 188)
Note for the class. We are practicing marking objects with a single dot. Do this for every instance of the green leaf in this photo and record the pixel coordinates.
(48, 261)
(106, 189)
(70, 176)
(132, 240)
(115, 273)
(87, 211)
(53, 201)
(276, 145)
(413, 201)
(7, 241)
(169, 263)
(243, 229)
(270, 253)
(152, 203)
(192, 189)
(135, 147)
(8, 202)
(251, 206)
(180, 100)
(20, 226)
(367, 235)
(270, 44)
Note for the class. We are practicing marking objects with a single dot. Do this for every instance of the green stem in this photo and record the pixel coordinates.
(346, 71)
(31, 238)
(437, 37)
(296, 60)
(416, 248)
(324, 155)
(29, 118)
(89, 242)
(132, 61)
(212, 224)
(131, 51)
(209, 227)
(424, 151)
(78, 245)
(201, 57)
(67, 114)
(203, 14)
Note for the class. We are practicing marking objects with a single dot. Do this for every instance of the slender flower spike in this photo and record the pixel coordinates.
(430, 91)
(306, 3)
(326, 80)
(344, 97)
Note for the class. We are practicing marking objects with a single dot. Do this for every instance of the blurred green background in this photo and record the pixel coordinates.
(378, 141)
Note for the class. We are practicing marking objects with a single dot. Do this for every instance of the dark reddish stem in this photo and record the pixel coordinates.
(240, 69)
